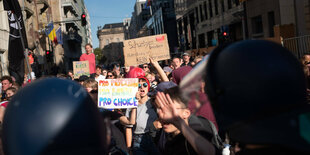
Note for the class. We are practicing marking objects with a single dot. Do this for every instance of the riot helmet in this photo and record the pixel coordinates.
(53, 116)
(258, 92)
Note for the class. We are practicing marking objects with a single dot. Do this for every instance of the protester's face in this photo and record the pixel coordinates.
(150, 77)
(98, 71)
(88, 89)
(127, 69)
(170, 128)
(6, 84)
(9, 94)
(186, 58)
(88, 49)
(307, 60)
(145, 67)
(193, 64)
(176, 63)
(143, 88)
(104, 72)
(70, 74)
(116, 67)
(110, 76)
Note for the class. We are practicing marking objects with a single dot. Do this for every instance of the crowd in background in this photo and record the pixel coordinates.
(164, 121)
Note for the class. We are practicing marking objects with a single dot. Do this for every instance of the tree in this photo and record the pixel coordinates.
(99, 55)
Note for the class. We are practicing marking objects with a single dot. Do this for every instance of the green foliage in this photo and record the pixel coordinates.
(99, 55)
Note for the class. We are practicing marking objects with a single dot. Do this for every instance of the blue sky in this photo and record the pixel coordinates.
(107, 11)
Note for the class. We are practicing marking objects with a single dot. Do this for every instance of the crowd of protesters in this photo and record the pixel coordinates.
(254, 97)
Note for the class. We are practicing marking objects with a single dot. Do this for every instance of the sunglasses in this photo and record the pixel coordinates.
(109, 75)
(145, 66)
(144, 85)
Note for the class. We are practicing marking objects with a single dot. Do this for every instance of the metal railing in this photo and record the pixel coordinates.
(298, 45)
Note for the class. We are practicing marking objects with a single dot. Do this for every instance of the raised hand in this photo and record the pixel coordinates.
(167, 110)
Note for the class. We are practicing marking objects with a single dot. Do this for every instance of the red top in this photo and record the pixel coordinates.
(4, 103)
(91, 58)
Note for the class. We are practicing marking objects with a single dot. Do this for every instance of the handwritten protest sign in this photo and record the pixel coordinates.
(80, 68)
(117, 93)
(138, 51)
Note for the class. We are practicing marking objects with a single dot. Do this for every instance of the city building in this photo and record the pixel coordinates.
(4, 41)
(139, 17)
(263, 15)
(111, 38)
(74, 35)
(163, 20)
(204, 24)
(127, 23)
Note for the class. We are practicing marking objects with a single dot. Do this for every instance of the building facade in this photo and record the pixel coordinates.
(111, 38)
(139, 17)
(203, 23)
(4, 41)
(163, 20)
(73, 35)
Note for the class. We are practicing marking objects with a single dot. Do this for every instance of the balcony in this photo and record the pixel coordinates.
(4, 37)
(71, 6)
(43, 5)
(29, 9)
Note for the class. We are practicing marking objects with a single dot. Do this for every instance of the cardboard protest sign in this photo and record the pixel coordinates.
(138, 51)
(117, 93)
(80, 68)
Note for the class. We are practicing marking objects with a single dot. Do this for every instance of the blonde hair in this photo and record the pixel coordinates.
(91, 83)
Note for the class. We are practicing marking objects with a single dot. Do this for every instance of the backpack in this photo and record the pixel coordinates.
(209, 127)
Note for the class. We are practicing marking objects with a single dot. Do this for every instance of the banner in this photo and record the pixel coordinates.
(50, 32)
(17, 35)
(80, 68)
(117, 93)
(59, 36)
(138, 51)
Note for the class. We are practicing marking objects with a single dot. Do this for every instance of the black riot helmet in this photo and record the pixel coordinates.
(258, 91)
(52, 116)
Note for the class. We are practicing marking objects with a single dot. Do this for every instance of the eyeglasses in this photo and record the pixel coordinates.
(144, 85)
(145, 66)
(104, 72)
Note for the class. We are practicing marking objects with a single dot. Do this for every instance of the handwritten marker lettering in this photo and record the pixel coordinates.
(117, 93)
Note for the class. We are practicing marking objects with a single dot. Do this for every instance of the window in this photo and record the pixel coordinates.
(216, 7)
(197, 16)
(222, 6)
(229, 4)
(257, 25)
(237, 2)
(201, 38)
(201, 14)
(205, 9)
(210, 9)
(271, 23)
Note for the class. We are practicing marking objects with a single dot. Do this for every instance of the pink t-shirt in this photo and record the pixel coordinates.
(92, 61)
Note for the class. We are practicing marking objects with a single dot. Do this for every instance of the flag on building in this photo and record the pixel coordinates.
(147, 4)
(51, 32)
(17, 34)
(59, 36)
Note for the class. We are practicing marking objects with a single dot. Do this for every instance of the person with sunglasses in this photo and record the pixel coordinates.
(139, 121)
(111, 75)
(145, 67)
